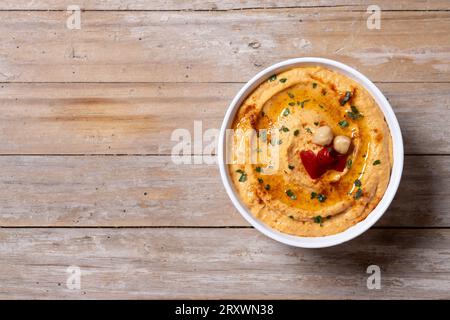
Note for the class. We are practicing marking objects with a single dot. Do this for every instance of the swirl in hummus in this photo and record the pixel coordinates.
(334, 154)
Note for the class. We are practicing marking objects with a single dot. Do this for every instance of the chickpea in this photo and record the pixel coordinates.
(341, 144)
(323, 136)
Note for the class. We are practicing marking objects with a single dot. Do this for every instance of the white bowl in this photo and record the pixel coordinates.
(372, 218)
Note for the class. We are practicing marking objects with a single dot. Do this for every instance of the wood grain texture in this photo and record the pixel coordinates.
(117, 46)
(152, 191)
(165, 5)
(86, 118)
(232, 263)
(140, 118)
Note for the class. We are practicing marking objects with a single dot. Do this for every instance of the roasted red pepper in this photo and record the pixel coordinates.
(311, 164)
(340, 162)
(326, 159)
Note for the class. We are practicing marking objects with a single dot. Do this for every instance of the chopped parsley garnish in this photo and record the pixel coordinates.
(258, 169)
(319, 196)
(291, 194)
(291, 216)
(273, 78)
(308, 130)
(286, 112)
(284, 129)
(302, 103)
(354, 109)
(318, 219)
(376, 162)
(291, 167)
(358, 194)
(296, 132)
(283, 80)
(243, 176)
(349, 163)
(316, 124)
(343, 123)
(357, 183)
(267, 187)
(291, 95)
(314, 85)
(260, 180)
(346, 98)
(354, 114)
(292, 104)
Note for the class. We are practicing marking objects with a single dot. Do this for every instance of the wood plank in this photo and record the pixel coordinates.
(219, 263)
(107, 118)
(114, 191)
(140, 118)
(218, 46)
(152, 191)
(221, 5)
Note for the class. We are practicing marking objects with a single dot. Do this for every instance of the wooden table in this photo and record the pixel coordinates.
(86, 175)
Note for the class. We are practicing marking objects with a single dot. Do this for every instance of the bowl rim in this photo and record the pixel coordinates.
(397, 152)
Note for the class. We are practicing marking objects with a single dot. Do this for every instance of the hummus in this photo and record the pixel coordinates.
(273, 180)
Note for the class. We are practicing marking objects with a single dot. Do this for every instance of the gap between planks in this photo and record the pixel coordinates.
(227, 10)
